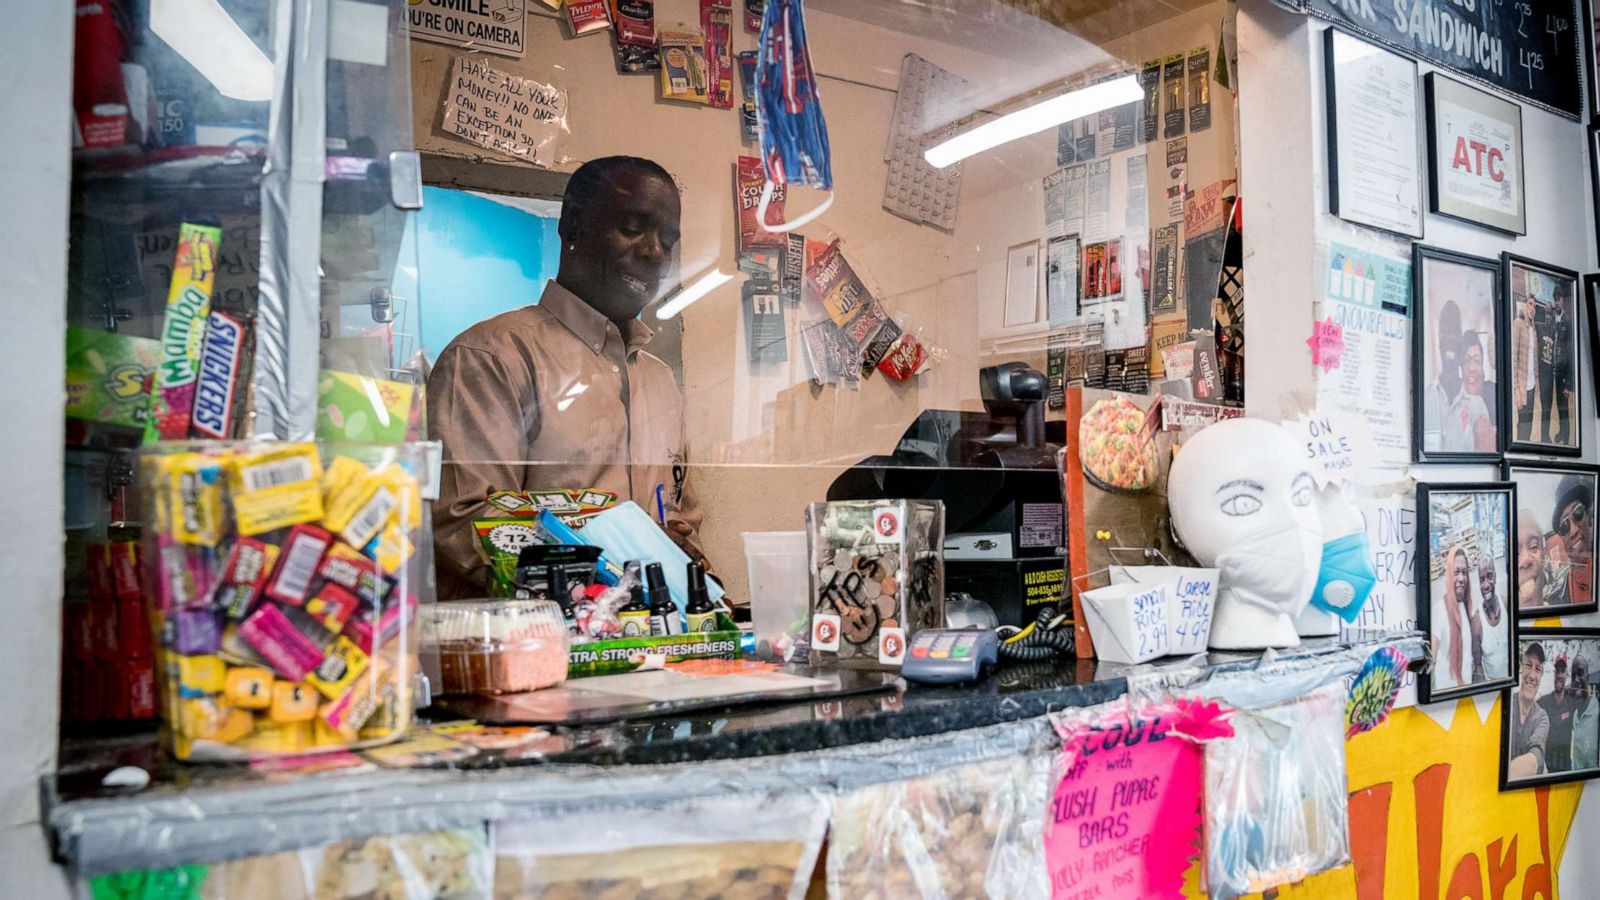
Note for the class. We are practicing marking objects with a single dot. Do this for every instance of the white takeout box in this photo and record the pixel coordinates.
(1148, 612)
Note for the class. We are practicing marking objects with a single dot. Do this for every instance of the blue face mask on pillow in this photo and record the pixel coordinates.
(1346, 578)
(627, 532)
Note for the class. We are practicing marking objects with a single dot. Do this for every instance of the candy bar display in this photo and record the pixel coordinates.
(283, 593)
(497, 646)
(877, 576)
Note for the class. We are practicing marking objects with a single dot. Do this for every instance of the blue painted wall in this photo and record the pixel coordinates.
(476, 258)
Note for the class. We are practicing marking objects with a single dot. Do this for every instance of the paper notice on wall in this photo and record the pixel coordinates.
(495, 26)
(1367, 295)
(1336, 445)
(1137, 212)
(1063, 201)
(503, 112)
(1176, 183)
(1061, 280)
(1390, 517)
(1097, 215)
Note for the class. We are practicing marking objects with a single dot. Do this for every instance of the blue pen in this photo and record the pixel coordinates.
(661, 503)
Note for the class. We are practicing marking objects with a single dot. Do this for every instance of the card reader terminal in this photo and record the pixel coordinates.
(945, 655)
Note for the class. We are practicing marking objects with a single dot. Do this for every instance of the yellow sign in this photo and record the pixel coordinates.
(1428, 821)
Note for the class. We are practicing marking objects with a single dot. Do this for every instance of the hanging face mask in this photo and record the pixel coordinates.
(1347, 576)
(794, 134)
(627, 532)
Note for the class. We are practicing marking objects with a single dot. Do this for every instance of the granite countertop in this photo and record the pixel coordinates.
(87, 819)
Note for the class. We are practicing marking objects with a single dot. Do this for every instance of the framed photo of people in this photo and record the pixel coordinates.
(1475, 156)
(1555, 537)
(1457, 349)
(1464, 586)
(1542, 397)
(1551, 716)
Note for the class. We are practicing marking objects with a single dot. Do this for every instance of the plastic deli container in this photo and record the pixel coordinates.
(285, 580)
(497, 646)
(780, 588)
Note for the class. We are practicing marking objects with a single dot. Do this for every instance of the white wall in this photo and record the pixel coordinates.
(1283, 158)
(36, 64)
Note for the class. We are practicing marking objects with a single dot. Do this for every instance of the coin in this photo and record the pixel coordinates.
(871, 589)
(887, 604)
(889, 586)
(890, 561)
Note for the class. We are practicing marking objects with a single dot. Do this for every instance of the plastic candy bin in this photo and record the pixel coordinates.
(284, 583)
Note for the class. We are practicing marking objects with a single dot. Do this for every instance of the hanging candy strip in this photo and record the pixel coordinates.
(794, 135)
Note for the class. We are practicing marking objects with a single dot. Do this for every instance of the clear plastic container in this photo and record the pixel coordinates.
(780, 589)
(497, 646)
(284, 583)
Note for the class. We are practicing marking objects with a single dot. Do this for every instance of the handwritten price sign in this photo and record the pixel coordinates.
(1125, 817)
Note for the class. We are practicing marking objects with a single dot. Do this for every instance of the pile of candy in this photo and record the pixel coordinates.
(281, 604)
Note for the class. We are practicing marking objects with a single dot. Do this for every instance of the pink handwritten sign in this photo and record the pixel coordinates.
(1327, 344)
(1125, 819)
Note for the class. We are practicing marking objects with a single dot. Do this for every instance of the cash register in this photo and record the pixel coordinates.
(995, 471)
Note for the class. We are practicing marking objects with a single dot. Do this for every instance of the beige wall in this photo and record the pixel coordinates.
(790, 438)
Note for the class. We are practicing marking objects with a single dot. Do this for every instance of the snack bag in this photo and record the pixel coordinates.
(194, 275)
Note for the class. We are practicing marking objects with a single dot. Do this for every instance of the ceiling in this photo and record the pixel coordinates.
(1012, 24)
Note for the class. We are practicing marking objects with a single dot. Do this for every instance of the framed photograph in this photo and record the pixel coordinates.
(1464, 586)
(1589, 25)
(1374, 148)
(1554, 559)
(1475, 156)
(1591, 298)
(1456, 351)
(1551, 716)
(1022, 285)
(1542, 396)
(1594, 170)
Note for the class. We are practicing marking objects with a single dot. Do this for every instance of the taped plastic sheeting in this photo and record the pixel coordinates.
(440, 865)
(974, 830)
(1276, 796)
(739, 848)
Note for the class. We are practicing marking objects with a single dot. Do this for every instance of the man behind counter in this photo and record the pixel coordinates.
(561, 396)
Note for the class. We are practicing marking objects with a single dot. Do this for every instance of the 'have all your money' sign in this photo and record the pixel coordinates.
(513, 115)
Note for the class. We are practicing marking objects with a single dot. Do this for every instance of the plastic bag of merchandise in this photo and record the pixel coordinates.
(448, 865)
(970, 831)
(736, 848)
(1276, 795)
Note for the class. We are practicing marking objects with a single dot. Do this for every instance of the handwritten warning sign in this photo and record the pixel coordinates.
(495, 26)
(503, 112)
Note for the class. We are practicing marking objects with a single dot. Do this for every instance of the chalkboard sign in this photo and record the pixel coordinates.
(1527, 48)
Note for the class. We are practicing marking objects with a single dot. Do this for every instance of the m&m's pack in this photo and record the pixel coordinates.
(282, 594)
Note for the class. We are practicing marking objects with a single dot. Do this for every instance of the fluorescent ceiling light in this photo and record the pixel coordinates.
(203, 33)
(703, 286)
(1034, 119)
